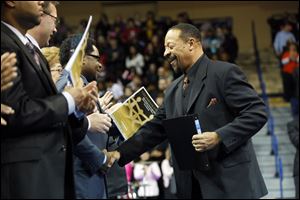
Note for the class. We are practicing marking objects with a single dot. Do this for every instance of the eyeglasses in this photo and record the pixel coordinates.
(94, 56)
(56, 20)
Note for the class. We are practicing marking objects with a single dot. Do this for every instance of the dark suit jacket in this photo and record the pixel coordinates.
(36, 145)
(237, 116)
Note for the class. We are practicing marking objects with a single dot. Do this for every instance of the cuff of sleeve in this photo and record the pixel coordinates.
(104, 160)
(71, 102)
(89, 123)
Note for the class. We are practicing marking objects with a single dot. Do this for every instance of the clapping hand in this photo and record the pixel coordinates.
(5, 110)
(8, 74)
(88, 104)
(85, 98)
(100, 123)
(8, 70)
(105, 101)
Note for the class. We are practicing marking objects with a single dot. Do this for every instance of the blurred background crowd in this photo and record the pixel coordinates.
(130, 39)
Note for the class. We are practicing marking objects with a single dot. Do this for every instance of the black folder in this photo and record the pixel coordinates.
(180, 131)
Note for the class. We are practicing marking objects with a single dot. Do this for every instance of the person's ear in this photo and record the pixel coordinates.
(191, 43)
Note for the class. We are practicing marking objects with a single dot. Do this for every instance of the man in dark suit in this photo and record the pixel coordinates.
(36, 145)
(230, 113)
(90, 182)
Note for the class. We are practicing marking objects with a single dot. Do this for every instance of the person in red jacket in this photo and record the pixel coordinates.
(290, 61)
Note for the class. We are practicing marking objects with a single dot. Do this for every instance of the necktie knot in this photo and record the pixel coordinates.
(30, 47)
(33, 52)
(186, 82)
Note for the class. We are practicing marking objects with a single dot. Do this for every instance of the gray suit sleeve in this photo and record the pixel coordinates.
(247, 106)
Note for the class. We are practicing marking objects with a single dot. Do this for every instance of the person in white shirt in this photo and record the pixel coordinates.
(147, 173)
(135, 60)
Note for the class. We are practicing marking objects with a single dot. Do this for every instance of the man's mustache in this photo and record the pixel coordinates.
(170, 58)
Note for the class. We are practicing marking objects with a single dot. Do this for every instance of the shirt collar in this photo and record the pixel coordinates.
(33, 41)
(191, 73)
(23, 39)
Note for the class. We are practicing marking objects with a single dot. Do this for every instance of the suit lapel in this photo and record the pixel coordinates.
(40, 73)
(28, 55)
(199, 83)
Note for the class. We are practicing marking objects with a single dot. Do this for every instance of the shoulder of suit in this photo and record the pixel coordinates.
(8, 44)
(221, 67)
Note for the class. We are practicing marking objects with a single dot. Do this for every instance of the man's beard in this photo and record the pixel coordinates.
(30, 21)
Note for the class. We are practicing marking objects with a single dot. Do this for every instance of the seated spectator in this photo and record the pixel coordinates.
(230, 44)
(131, 32)
(136, 83)
(52, 56)
(151, 75)
(147, 173)
(115, 86)
(135, 60)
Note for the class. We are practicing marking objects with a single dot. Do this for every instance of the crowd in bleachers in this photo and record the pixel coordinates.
(131, 56)
(132, 50)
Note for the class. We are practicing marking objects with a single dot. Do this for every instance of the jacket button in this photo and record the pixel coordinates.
(63, 148)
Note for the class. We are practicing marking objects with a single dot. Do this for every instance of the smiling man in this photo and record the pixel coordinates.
(230, 113)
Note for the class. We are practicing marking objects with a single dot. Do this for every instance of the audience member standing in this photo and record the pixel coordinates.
(282, 37)
(290, 62)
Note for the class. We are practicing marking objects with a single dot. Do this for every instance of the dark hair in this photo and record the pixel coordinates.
(46, 5)
(187, 31)
(69, 45)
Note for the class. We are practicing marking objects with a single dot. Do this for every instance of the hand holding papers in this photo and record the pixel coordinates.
(180, 131)
(138, 109)
(205, 141)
